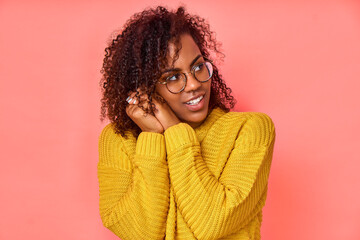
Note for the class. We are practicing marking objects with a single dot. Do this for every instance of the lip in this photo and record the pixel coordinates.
(197, 107)
(195, 97)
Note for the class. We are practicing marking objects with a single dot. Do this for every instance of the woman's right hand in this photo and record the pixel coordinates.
(146, 122)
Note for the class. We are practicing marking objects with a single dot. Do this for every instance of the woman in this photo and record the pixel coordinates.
(174, 163)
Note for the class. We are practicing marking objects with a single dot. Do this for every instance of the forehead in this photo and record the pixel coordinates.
(188, 51)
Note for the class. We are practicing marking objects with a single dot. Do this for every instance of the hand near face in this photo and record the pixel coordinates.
(146, 122)
(163, 119)
(165, 115)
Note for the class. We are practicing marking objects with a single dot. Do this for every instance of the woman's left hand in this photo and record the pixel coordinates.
(165, 114)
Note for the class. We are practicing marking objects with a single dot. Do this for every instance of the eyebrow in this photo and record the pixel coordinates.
(178, 69)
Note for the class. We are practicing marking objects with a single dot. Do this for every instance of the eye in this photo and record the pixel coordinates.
(174, 77)
(198, 67)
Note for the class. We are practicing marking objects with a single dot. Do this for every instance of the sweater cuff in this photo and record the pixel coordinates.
(179, 135)
(151, 145)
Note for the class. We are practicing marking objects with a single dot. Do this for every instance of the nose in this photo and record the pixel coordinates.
(191, 83)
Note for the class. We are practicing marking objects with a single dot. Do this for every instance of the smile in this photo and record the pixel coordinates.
(195, 101)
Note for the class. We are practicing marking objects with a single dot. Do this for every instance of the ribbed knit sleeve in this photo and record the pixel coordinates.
(214, 207)
(134, 191)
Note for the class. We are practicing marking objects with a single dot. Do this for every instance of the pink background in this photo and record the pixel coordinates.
(297, 61)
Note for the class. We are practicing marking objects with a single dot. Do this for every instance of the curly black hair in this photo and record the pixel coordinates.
(136, 57)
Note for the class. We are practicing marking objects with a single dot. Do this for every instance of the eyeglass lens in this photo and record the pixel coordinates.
(201, 72)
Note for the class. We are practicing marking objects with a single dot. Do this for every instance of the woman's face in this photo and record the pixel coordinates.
(193, 113)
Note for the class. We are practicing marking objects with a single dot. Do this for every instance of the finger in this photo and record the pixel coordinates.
(132, 98)
(136, 97)
(129, 99)
(130, 108)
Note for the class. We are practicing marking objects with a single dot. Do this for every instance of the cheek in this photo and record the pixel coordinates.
(171, 99)
(208, 86)
(162, 91)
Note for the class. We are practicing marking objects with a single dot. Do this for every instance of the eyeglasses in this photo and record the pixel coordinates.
(202, 72)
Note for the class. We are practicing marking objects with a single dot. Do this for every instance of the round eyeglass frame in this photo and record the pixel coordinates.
(193, 73)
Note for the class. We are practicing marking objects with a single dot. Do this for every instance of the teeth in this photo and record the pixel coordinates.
(195, 101)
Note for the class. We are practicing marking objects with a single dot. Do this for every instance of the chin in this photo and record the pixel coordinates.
(195, 119)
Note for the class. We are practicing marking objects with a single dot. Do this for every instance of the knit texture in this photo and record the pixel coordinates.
(204, 183)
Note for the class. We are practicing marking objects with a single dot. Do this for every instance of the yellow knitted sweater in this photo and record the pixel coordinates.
(204, 183)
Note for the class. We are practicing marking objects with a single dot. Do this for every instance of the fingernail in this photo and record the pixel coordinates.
(129, 100)
(135, 101)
